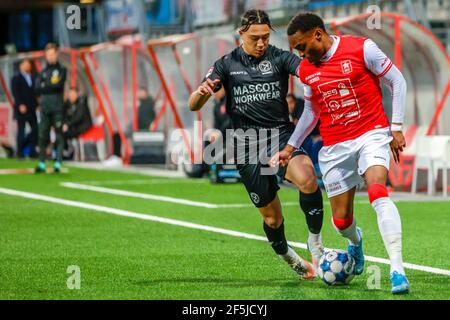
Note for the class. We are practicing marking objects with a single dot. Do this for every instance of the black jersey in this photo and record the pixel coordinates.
(256, 88)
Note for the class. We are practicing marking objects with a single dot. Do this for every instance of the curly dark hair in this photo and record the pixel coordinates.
(305, 21)
(254, 16)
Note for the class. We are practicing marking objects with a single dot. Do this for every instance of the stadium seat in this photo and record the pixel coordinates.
(423, 161)
(441, 159)
(432, 154)
(401, 174)
(95, 135)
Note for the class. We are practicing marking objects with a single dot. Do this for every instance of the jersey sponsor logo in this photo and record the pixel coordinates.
(236, 73)
(210, 71)
(256, 92)
(340, 99)
(346, 66)
(313, 78)
(265, 67)
(343, 91)
(254, 197)
(313, 75)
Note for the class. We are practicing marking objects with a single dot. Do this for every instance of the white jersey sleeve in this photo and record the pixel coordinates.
(380, 65)
(307, 121)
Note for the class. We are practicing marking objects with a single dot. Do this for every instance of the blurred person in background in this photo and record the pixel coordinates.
(50, 87)
(25, 104)
(295, 106)
(77, 118)
(146, 110)
(145, 116)
(222, 120)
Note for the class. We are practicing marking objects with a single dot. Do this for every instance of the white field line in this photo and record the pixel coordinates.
(155, 197)
(131, 214)
(143, 182)
(138, 195)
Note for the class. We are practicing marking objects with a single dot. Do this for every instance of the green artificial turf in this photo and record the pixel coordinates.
(129, 258)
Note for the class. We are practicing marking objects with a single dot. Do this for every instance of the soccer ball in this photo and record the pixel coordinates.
(336, 267)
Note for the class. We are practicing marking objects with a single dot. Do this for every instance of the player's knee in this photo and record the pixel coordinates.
(376, 176)
(377, 191)
(308, 184)
(342, 212)
(273, 222)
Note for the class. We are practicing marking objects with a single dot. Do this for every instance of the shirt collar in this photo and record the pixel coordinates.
(332, 50)
(25, 74)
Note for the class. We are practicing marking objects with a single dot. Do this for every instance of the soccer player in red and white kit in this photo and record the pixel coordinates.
(341, 77)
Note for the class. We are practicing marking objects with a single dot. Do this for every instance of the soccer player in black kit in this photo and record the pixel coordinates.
(255, 78)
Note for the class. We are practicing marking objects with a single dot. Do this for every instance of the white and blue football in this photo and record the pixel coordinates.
(336, 267)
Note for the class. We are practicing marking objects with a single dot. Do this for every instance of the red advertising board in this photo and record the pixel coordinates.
(5, 113)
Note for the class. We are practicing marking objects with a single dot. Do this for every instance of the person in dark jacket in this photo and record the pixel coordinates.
(25, 104)
(50, 86)
(295, 106)
(222, 120)
(77, 118)
(145, 116)
(146, 111)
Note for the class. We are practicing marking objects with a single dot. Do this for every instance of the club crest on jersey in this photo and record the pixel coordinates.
(346, 66)
(210, 71)
(265, 67)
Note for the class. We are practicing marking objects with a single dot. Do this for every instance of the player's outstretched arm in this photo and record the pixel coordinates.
(199, 97)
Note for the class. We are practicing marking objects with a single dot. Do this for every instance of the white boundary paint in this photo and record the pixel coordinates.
(144, 182)
(136, 215)
(155, 197)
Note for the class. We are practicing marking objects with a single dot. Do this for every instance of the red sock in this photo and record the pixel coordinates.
(377, 191)
(342, 224)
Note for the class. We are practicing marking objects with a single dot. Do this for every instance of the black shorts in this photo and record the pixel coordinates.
(261, 186)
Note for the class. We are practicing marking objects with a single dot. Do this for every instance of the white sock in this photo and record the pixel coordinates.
(390, 227)
(314, 237)
(349, 233)
(291, 257)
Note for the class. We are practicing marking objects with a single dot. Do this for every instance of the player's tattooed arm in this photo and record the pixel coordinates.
(199, 97)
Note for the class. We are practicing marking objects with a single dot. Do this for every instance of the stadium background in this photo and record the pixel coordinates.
(167, 47)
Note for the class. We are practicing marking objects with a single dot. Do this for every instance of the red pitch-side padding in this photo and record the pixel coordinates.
(95, 133)
(377, 191)
(6, 91)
